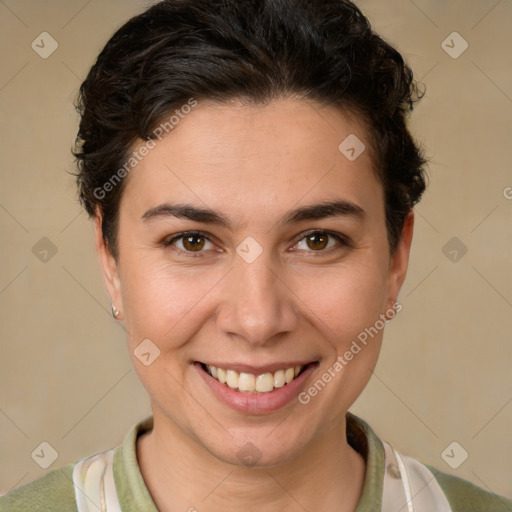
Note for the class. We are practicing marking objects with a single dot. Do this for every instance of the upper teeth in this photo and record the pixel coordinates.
(262, 383)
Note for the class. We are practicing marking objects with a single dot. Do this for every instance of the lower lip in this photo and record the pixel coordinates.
(256, 403)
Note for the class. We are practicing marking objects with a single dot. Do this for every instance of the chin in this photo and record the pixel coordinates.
(257, 447)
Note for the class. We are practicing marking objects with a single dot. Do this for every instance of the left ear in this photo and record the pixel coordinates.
(400, 259)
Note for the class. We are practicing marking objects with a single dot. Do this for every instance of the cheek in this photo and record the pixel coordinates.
(161, 300)
(344, 300)
(166, 305)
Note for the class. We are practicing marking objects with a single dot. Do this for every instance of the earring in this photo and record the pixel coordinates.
(115, 311)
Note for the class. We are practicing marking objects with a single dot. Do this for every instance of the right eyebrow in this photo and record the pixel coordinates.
(186, 211)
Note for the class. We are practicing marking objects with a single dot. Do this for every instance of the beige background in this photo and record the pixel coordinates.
(444, 374)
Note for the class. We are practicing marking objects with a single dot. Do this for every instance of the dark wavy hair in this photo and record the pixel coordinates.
(257, 51)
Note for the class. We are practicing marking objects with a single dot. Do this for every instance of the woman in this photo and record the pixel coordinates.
(251, 178)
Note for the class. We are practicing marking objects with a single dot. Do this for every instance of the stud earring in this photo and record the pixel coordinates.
(115, 311)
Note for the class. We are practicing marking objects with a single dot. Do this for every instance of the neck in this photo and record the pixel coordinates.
(183, 476)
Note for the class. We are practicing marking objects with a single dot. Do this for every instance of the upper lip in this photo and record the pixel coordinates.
(257, 369)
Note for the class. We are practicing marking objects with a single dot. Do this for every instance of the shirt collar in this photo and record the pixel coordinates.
(364, 440)
(134, 495)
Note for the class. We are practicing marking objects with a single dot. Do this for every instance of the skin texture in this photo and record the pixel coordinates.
(295, 302)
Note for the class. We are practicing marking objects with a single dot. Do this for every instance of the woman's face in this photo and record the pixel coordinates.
(230, 256)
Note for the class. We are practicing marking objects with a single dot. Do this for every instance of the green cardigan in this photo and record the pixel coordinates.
(54, 492)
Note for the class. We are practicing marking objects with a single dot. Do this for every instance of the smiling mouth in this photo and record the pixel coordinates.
(251, 383)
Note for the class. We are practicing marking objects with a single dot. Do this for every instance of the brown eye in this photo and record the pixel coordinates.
(322, 241)
(317, 241)
(193, 242)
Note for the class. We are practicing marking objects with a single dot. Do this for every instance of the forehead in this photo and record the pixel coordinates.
(257, 159)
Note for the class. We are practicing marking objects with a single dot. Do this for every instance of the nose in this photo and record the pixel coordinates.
(258, 305)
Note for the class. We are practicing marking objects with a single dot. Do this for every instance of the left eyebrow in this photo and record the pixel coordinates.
(338, 208)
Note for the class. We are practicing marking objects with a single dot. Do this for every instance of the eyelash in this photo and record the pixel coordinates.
(343, 241)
